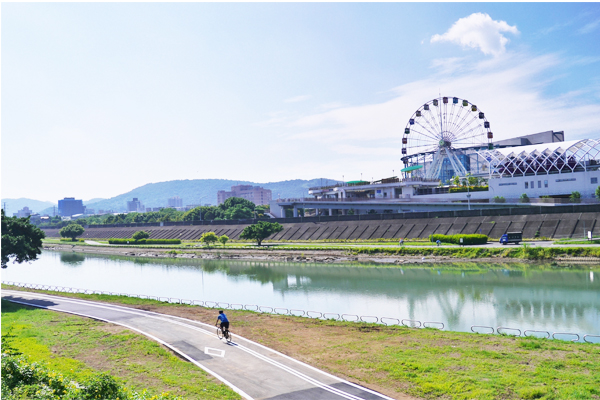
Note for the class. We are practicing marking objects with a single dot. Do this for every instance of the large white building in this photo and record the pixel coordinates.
(546, 172)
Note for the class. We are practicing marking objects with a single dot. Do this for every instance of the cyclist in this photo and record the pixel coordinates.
(224, 321)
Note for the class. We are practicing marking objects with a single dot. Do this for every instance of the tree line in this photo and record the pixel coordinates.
(232, 208)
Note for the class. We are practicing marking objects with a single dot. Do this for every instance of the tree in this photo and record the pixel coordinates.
(223, 239)
(598, 192)
(20, 239)
(140, 235)
(71, 231)
(472, 180)
(260, 231)
(575, 197)
(208, 238)
(456, 180)
(193, 215)
(235, 201)
(239, 212)
(524, 198)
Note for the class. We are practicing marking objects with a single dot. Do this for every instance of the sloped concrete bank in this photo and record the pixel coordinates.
(550, 225)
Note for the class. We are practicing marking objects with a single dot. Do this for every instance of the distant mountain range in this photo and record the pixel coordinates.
(196, 191)
(41, 207)
(11, 206)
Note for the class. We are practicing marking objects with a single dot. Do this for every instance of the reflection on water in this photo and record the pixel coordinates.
(72, 258)
(459, 295)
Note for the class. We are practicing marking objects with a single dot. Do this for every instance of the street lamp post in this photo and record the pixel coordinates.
(468, 195)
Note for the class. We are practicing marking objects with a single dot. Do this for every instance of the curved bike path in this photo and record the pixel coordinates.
(252, 370)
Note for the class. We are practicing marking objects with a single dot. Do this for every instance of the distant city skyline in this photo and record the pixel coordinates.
(101, 98)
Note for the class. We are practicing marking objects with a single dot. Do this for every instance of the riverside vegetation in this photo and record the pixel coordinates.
(380, 248)
(69, 357)
(425, 363)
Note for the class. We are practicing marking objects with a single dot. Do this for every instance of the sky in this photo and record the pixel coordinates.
(100, 98)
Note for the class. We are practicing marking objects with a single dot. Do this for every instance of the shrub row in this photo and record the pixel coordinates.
(22, 379)
(467, 239)
(471, 189)
(522, 252)
(71, 240)
(144, 241)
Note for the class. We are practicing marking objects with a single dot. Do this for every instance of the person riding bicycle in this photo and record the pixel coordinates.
(224, 321)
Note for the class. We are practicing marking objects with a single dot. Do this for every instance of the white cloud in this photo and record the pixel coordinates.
(588, 28)
(512, 92)
(297, 99)
(478, 31)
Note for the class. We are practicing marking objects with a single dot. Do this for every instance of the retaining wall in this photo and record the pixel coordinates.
(551, 225)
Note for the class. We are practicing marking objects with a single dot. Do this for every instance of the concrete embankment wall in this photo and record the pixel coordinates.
(564, 225)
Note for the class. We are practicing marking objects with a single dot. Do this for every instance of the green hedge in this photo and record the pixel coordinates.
(467, 239)
(471, 189)
(144, 241)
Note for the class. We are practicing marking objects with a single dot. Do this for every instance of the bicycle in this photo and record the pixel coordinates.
(224, 334)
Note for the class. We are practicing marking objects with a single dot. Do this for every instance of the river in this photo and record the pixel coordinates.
(554, 299)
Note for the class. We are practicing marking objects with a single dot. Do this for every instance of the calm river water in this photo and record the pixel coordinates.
(555, 300)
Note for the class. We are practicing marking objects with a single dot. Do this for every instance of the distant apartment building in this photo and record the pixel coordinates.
(175, 202)
(69, 206)
(25, 212)
(135, 206)
(255, 194)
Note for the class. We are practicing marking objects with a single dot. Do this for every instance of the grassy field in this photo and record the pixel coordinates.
(424, 363)
(78, 347)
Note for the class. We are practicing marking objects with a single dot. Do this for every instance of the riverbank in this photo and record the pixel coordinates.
(332, 254)
(405, 362)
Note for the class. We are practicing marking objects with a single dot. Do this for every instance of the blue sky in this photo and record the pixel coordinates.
(99, 98)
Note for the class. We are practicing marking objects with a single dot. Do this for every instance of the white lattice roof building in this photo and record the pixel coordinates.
(546, 158)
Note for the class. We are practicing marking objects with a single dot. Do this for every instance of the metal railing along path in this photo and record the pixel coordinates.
(411, 323)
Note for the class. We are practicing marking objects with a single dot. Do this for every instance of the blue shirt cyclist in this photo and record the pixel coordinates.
(224, 321)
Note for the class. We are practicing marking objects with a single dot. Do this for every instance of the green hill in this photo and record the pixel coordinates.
(198, 191)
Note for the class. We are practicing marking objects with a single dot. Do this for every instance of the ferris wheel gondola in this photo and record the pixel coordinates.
(440, 128)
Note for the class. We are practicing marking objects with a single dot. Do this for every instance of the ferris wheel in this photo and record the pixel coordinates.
(440, 128)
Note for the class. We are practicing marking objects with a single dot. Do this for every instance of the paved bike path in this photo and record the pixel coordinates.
(254, 371)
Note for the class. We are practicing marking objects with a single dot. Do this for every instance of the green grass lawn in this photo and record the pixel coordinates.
(78, 347)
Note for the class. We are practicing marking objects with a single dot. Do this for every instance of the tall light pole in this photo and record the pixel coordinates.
(468, 194)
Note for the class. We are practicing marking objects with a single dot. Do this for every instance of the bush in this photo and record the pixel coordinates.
(144, 241)
(467, 239)
(524, 198)
(471, 189)
(575, 197)
(22, 379)
(499, 199)
(140, 235)
(70, 240)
